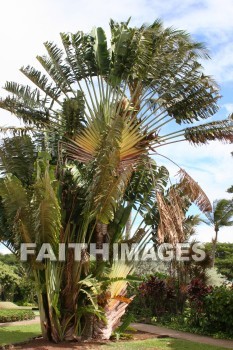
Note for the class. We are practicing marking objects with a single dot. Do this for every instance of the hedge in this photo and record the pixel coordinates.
(16, 315)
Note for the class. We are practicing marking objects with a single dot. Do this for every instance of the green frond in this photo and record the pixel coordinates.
(73, 114)
(221, 215)
(17, 131)
(28, 114)
(195, 102)
(101, 51)
(45, 206)
(109, 196)
(219, 130)
(42, 82)
(16, 204)
(24, 94)
(17, 156)
(56, 74)
(73, 44)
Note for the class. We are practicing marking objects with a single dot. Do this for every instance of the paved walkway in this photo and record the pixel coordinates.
(21, 323)
(183, 335)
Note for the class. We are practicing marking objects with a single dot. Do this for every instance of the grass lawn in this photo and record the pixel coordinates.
(160, 344)
(16, 334)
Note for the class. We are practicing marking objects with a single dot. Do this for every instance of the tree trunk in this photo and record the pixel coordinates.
(103, 330)
(214, 246)
(128, 227)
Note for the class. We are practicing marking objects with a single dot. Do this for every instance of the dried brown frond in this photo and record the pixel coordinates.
(190, 187)
(167, 229)
(177, 214)
(137, 237)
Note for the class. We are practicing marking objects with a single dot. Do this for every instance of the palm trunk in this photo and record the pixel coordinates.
(128, 227)
(214, 246)
(103, 330)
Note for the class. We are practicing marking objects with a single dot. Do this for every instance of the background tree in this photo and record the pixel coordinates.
(223, 259)
(221, 216)
(230, 189)
(24, 291)
(91, 127)
(9, 280)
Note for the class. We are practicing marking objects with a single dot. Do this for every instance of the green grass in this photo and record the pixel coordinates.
(160, 344)
(17, 334)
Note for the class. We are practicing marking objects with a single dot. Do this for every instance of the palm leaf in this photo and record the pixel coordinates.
(17, 156)
(101, 51)
(190, 187)
(45, 206)
(219, 130)
(15, 201)
(42, 82)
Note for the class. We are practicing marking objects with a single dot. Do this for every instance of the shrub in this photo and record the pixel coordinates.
(211, 308)
(218, 309)
(16, 315)
(158, 296)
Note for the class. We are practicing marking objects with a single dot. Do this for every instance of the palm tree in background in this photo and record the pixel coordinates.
(85, 161)
(220, 216)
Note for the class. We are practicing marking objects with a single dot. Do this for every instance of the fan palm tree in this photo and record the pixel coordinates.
(92, 124)
(220, 216)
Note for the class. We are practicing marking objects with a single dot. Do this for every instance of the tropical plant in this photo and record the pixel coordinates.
(223, 259)
(83, 162)
(230, 189)
(9, 280)
(220, 216)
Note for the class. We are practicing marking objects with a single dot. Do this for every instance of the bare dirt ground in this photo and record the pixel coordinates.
(40, 344)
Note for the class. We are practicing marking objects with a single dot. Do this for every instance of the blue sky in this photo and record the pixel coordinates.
(25, 25)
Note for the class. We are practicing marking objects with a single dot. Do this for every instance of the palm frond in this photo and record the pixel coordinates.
(101, 51)
(42, 82)
(16, 204)
(17, 156)
(219, 130)
(73, 114)
(29, 115)
(191, 188)
(17, 131)
(108, 196)
(119, 270)
(45, 206)
(170, 228)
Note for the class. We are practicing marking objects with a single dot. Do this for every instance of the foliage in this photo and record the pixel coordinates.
(197, 290)
(210, 309)
(196, 307)
(157, 296)
(224, 259)
(22, 287)
(220, 216)
(16, 315)
(9, 280)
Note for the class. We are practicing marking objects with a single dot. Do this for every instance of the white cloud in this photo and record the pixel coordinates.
(205, 233)
(228, 107)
